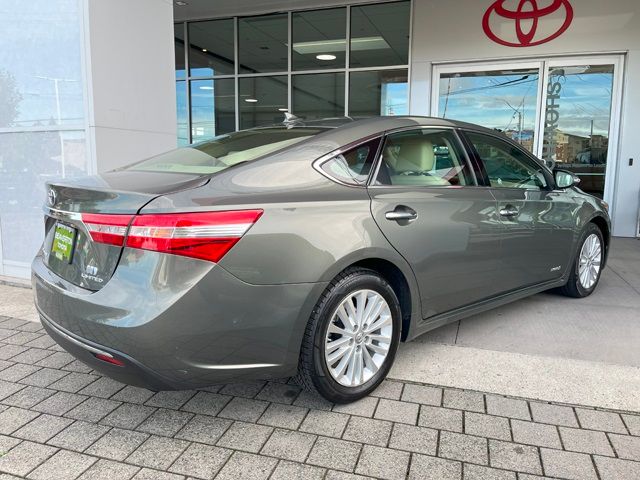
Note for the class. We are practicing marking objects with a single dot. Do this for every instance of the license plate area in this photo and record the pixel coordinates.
(64, 241)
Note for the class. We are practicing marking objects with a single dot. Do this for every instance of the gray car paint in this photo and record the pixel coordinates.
(185, 323)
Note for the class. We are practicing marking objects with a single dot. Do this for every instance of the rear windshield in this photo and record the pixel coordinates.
(224, 151)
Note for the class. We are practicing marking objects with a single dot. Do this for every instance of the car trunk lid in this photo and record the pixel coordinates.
(86, 220)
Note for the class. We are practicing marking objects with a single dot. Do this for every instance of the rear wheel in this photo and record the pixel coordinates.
(351, 338)
(587, 267)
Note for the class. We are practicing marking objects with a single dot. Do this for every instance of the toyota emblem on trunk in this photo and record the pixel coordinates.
(51, 196)
(526, 21)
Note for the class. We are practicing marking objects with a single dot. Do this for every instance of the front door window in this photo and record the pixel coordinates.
(506, 165)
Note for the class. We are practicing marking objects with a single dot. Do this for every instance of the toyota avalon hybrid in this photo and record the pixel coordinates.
(307, 249)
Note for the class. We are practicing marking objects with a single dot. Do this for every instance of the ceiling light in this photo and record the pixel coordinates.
(206, 87)
(283, 109)
(180, 3)
(325, 56)
(339, 45)
(251, 100)
(204, 49)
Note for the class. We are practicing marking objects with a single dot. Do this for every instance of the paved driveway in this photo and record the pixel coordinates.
(60, 420)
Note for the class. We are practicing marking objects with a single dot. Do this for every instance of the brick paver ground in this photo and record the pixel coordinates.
(60, 420)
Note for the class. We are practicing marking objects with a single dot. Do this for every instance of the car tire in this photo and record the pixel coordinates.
(576, 286)
(318, 371)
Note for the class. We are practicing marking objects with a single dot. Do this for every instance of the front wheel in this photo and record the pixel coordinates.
(587, 267)
(351, 338)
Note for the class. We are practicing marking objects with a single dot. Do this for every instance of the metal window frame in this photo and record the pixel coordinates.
(347, 62)
(187, 82)
(289, 73)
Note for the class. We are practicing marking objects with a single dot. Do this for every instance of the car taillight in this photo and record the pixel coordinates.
(109, 229)
(203, 235)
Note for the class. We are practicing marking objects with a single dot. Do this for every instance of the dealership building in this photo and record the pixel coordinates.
(91, 85)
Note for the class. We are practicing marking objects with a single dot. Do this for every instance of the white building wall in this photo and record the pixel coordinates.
(130, 75)
(443, 32)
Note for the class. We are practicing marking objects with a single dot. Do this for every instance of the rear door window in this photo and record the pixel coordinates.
(423, 158)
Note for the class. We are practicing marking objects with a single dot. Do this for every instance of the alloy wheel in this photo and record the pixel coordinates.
(358, 338)
(590, 261)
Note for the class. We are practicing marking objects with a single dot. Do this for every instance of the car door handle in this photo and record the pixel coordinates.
(401, 213)
(508, 211)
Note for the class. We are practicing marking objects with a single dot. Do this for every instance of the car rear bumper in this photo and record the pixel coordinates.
(177, 323)
(131, 372)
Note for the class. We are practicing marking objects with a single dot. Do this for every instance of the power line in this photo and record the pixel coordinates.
(519, 81)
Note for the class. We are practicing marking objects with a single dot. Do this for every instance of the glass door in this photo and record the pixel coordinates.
(564, 110)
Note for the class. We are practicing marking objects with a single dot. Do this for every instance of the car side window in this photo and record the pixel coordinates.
(353, 166)
(506, 165)
(423, 157)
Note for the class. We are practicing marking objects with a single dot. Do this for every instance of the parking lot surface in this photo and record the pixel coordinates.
(60, 420)
(546, 387)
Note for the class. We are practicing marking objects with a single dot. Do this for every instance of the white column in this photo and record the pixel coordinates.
(130, 80)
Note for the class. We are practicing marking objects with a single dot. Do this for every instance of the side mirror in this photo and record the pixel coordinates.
(565, 179)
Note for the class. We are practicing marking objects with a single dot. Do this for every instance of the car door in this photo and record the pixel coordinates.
(538, 221)
(425, 200)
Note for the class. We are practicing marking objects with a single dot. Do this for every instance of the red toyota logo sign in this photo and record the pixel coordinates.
(526, 20)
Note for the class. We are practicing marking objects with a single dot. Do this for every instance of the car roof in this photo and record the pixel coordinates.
(354, 128)
(383, 122)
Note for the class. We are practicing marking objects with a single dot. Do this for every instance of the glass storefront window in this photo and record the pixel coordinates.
(504, 100)
(380, 34)
(262, 101)
(262, 43)
(383, 92)
(212, 108)
(318, 95)
(576, 122)
(303, 69)
(178, 42)
(41, 88)
(319, 39)
(211, 48)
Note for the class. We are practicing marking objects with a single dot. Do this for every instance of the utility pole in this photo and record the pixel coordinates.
(519, 113)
